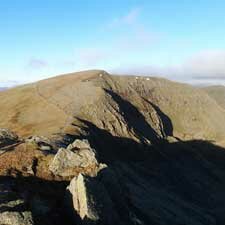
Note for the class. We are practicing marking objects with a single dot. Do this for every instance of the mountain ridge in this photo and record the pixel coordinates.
(95, 148)
(77, 94)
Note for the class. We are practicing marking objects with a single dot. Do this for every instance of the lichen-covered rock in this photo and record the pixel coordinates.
(78, 156)
(16, 218)
(7, 137)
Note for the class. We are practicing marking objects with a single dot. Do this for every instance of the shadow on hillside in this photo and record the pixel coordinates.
(43, 198)
(167, 126)
(110, 148)
(134, 119)
(193, 171)
(120, 147)
(186, 176)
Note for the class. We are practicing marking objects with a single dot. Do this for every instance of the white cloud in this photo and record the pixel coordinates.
(131, 17)
(210, 63)
(128, 19)
(206, 67)
(134, 33)
(128, 36)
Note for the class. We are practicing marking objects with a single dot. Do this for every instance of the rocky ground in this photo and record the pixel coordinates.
(98, 149)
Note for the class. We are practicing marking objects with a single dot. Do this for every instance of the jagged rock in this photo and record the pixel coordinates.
(13, 209)
(77, 156)
(90, 202)
(7, 137)
(80, 199)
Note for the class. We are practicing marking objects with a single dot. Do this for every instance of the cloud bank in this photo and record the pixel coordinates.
(204, 67)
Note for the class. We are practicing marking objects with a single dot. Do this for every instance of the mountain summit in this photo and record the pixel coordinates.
(126, 106)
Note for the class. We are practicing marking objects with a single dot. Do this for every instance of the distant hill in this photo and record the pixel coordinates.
(113, 103)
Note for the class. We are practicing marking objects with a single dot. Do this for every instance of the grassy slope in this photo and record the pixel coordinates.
(49, 106)
(217, 93)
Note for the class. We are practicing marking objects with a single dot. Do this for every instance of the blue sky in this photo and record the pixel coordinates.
(176, 39)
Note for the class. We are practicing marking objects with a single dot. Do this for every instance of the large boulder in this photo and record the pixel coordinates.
(7, 137)
(78, 156)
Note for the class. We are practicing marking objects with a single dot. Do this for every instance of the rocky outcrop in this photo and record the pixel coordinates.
(13, 209)
(122, 195)
(7, 137)
(78, 156)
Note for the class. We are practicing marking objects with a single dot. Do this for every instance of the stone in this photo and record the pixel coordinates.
(16, 218)
(80, 202)
(77, 156)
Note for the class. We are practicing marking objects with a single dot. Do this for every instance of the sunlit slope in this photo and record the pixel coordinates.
(140, 108)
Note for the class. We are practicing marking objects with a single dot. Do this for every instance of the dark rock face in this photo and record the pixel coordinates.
(170, 182)
(29, 200)
(179, 184)
(13, 208)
